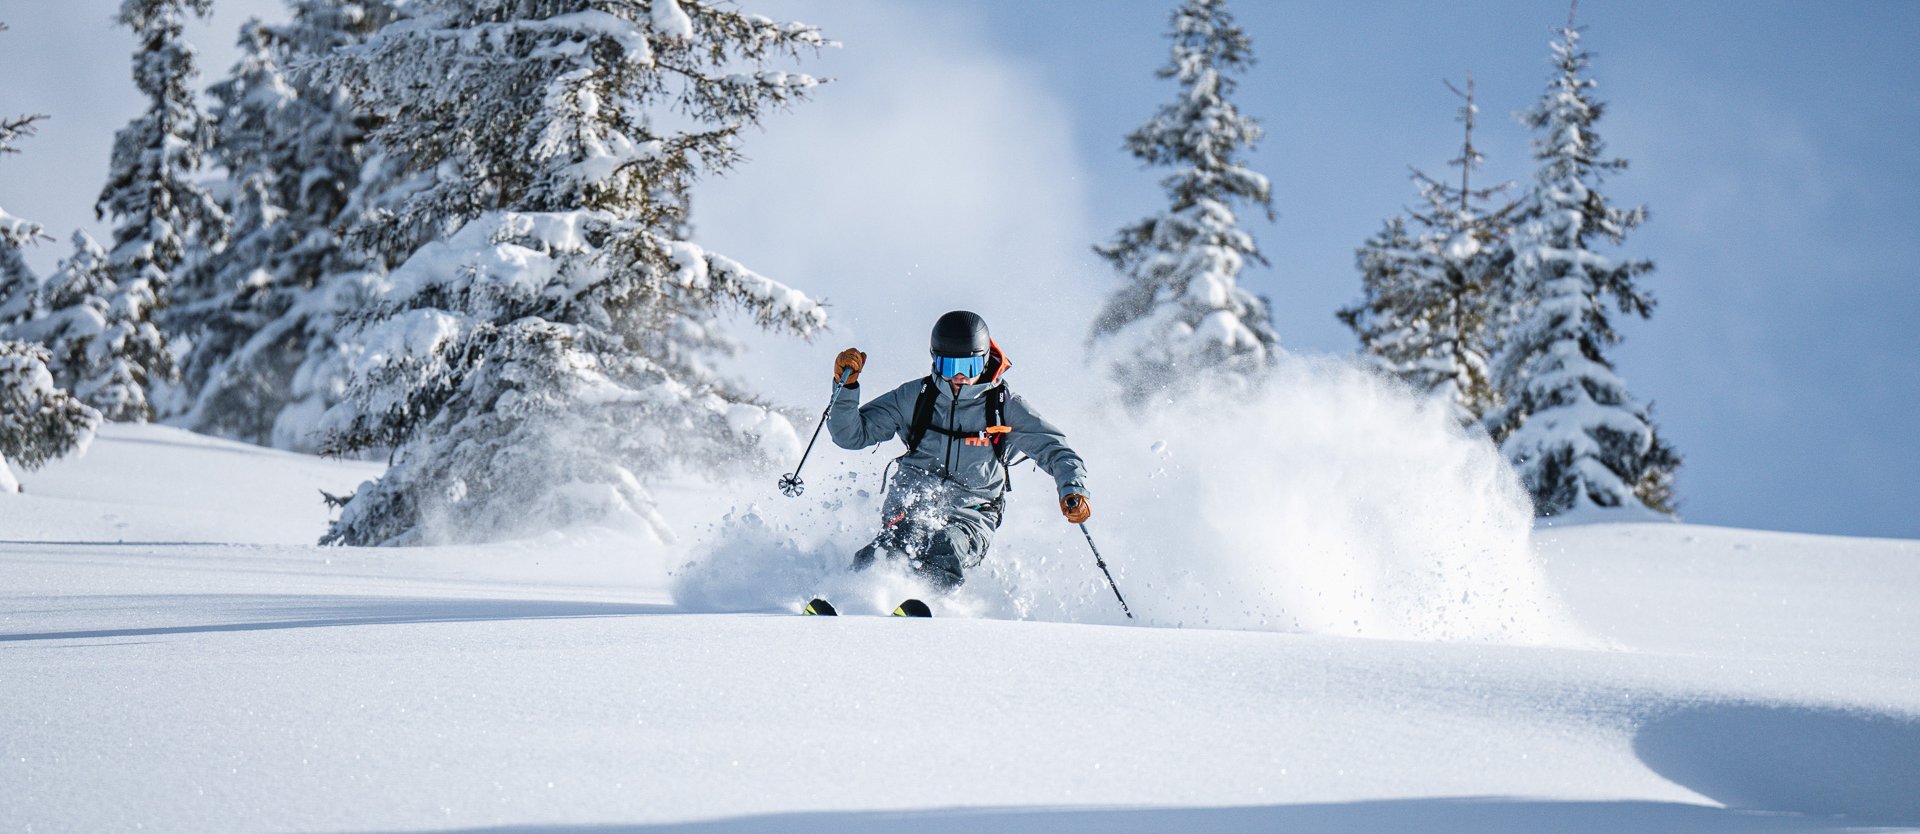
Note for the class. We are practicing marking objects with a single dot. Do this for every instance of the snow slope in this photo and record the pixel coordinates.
(175, 656)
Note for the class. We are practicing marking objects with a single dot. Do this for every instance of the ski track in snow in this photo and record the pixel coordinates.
(174, 655)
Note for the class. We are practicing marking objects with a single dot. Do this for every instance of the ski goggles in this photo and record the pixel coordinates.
(948, 367)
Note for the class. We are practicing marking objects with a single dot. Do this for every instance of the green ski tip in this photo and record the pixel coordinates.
(913, 608)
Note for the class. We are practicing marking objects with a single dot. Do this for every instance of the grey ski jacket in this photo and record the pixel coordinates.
(967, 464)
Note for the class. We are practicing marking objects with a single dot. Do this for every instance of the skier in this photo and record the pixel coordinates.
(960, 425)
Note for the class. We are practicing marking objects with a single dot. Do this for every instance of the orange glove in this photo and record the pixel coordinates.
(1076, 507)
(848, 360)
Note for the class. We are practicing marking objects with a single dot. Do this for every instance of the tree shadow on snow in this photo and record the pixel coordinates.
(1790, 759)
(270, 613)
(1427, 816)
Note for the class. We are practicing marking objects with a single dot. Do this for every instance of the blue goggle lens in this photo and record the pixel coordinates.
(948, 367)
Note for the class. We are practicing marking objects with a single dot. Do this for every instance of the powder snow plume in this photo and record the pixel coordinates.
(1330, 502)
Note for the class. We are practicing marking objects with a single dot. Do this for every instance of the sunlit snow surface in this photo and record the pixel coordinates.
(173, 657)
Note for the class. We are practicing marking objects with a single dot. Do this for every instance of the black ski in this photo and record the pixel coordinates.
(818, 607)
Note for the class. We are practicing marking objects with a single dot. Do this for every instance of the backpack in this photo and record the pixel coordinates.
(995, 432)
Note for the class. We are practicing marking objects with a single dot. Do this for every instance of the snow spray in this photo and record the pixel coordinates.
(1330, 501)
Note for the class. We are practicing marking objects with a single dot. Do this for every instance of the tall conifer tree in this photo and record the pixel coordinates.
(159, 212)
(38, 420)
(267, 357)
(537, 360)
(1568, 423)
(1181, 310)
(1427, 314)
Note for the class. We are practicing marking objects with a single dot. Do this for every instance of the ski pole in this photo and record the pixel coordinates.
(1103, 569)
(790, 483)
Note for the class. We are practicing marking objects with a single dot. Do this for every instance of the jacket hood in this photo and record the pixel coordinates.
(997, 363)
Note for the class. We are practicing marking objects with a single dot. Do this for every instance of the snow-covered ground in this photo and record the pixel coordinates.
(176, 655)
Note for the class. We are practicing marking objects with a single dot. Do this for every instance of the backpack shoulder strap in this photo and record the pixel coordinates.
(997, 428)
(922, 414)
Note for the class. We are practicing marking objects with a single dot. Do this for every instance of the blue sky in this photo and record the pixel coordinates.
(964, 143)
(1773, 143)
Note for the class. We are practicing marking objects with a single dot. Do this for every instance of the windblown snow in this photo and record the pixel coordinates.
(1386, 647)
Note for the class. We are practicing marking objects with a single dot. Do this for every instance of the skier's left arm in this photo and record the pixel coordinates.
(1036, 438)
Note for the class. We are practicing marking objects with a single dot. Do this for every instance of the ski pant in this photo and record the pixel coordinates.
(939, 542)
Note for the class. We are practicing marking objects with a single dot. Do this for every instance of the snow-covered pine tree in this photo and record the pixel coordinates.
(267, 357)
(1578, 438)
(38, 420)
(1427, 314)
(1182, 310)
(537, 366)
(100, 336)
(97, 340)
(150, 192)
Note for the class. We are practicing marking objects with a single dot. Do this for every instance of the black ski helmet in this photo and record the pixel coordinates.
(960, 333)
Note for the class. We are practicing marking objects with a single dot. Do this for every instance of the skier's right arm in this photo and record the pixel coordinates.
(854, 426)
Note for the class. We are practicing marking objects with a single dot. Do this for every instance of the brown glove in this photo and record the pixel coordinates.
(848, 360)
(1076, 507)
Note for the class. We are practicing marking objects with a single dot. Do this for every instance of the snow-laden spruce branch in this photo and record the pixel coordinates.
(38, 420)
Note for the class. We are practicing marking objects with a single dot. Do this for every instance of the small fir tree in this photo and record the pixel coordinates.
(267, 357)
(1427, 314)
(159, 212)
(1578, 438)
(100, 335)
(1181, 310)
(541, 363)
